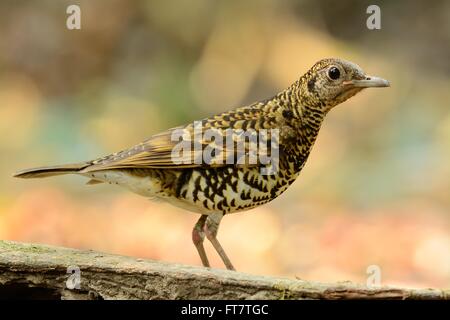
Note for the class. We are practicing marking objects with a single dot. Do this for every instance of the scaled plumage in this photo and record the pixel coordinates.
(218, 188)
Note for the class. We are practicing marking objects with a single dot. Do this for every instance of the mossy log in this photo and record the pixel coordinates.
(36, 271)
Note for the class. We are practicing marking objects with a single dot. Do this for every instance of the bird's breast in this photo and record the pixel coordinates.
(230, 189)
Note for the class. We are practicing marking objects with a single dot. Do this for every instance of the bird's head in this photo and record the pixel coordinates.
(332, 81)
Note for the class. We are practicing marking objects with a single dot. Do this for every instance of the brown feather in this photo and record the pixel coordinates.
(43, 172)
(156, 152)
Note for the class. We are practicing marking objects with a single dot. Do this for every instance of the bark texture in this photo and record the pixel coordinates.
(36, 271)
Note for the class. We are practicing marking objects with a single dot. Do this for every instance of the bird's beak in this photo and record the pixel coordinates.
(369, 82)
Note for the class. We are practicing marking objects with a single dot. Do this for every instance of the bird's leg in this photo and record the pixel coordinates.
(198, 235)
(211, 228)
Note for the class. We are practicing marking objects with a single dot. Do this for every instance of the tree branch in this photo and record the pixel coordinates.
(41, 272)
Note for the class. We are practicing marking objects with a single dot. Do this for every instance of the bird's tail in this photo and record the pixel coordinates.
(43, 172)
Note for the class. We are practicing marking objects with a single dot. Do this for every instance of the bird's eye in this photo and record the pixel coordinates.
(334, 73)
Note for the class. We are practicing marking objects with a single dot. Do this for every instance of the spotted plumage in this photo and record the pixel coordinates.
(220, 186)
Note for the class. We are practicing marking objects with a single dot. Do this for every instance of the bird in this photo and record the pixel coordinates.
(217, 188)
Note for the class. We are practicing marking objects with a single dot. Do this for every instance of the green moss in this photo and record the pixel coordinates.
(23, 247)
(285, 292)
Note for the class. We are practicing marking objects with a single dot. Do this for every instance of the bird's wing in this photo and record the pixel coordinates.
(183, 147)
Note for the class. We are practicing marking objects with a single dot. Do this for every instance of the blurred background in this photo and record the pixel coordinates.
(376, 188)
